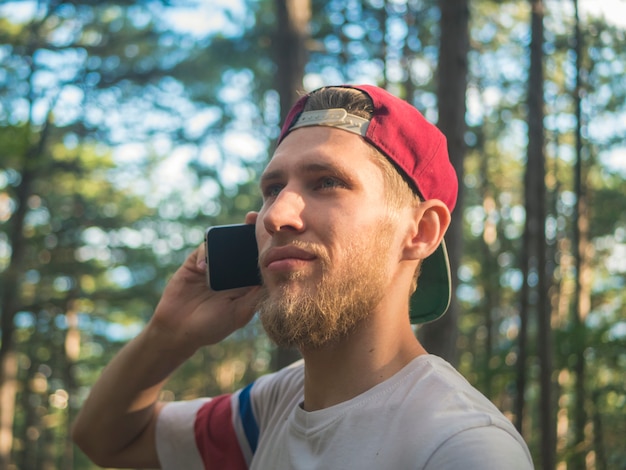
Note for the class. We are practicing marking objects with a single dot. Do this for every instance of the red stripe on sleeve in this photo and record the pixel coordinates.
(215, 436)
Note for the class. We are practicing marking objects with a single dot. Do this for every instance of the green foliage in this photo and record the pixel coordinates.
(490, 279)
(94, 248)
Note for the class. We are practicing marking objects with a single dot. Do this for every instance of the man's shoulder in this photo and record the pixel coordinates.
(436, 378)
(286, 383)
(287, 377)
(442, 392)
(458, 415)
(482, 447)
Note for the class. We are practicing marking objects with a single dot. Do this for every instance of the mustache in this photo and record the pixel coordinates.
(313, 248)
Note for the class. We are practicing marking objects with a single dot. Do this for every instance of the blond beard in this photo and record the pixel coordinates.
(315, 316)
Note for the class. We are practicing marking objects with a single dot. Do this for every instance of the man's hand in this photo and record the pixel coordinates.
(191, 315)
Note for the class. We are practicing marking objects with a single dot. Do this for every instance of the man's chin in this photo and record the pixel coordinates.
(306, 339)
(295, 285)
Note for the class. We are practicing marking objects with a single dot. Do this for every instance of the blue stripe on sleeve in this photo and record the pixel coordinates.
(250, 426)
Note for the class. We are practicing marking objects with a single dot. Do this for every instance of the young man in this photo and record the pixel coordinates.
(356, 201)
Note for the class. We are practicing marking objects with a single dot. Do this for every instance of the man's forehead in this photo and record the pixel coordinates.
(318, 146)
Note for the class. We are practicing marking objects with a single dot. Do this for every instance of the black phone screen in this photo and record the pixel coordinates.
(232, 256)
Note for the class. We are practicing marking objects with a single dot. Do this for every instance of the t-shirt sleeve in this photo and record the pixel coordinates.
(221, 432)
(481, 448)
(198, 434)
(175, 436)
(216, 439)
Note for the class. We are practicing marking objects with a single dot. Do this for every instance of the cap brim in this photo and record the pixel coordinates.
(432, 296)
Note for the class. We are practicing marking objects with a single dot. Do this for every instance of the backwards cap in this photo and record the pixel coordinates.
(419, 150)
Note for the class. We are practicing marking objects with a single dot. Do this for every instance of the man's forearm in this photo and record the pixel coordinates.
(117, 422)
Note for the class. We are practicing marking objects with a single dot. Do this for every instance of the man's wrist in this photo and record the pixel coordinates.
(160, 346)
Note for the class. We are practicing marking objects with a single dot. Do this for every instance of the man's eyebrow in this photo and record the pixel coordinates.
(307, 168)
(271, 176)
(322, 168)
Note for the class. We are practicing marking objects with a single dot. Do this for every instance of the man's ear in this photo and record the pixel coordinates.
(430, 222)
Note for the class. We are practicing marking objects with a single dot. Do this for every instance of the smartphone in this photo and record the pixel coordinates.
(232, 257)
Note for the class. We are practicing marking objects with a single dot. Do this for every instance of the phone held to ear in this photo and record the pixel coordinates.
(232, 257)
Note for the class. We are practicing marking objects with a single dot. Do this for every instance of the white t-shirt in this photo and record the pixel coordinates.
(427, 416)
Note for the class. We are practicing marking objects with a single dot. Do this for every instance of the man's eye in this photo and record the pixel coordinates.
(330, 183)
(272, 191)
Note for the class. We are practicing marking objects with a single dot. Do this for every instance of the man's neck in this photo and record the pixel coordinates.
(369, 356)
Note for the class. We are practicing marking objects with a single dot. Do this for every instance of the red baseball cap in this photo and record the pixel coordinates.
(419, 150)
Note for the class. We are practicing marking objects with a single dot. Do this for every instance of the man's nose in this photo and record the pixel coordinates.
(285, 213)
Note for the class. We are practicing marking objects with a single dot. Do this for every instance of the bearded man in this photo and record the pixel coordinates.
(356, 200)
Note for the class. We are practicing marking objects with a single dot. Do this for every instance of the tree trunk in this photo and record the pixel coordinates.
(598, 434)
(582, 253)
(291, 55)
(522, 338)
(489, 278)
(290, 49)
(10, 306)
(72, 352)
(8, 390)
(34, 146)
(440, 337)
(535, 214)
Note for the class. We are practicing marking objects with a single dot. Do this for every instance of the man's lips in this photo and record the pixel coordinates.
(286, 254)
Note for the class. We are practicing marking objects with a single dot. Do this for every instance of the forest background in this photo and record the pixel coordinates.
(128, 127)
